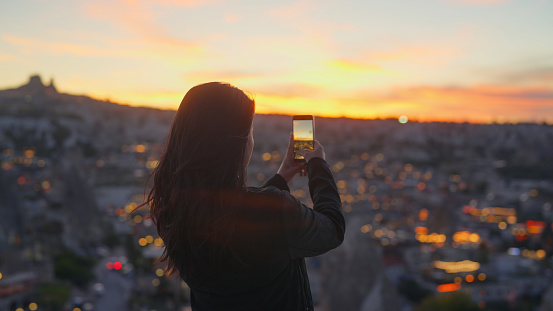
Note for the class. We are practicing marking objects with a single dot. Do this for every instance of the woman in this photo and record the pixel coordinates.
(238, 248)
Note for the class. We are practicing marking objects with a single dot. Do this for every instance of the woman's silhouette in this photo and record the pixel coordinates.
(238, 248)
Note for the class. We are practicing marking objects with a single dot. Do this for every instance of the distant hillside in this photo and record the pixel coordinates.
(38, 115)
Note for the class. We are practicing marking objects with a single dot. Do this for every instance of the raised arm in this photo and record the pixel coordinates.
(311, 232)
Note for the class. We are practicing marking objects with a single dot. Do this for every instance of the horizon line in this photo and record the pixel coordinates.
(381, 118)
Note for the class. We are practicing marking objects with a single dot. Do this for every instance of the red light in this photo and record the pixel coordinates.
(444, 288)
(109, 265)
(467, 209)
(117, 265)
(21, 180)
(521, 237)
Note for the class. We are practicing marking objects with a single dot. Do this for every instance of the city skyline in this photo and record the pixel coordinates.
(437, 60)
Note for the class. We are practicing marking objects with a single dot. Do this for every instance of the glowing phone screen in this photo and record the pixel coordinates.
(303, 136)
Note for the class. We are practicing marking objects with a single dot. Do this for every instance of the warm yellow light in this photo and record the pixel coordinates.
(378, 233)
(158, 242)
(423, 214)
(140, 148)
(45, 184)
(474, 237)
(149, 239)
(338, 166)
(155, 282)
(525, 253)
(481, 276)
(152, 164)
(366, 228)
(341, 184)
(266, 156)
(142, 242)
(540, 254)
(456, 267)
(458, 280)
(469, 278)
(75, 309)
(130, 207)
(137, 219)
(349, 198)
(33, 306)
(0, 276)
(29, 153)
(19, 309)
(502, 225)
(160, 272)
(511, 219)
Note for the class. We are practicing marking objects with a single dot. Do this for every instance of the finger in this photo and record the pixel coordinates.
(316, 144)
(290, 144)
(291, 141)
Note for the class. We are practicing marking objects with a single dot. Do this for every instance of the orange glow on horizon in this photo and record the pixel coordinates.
(477, 104)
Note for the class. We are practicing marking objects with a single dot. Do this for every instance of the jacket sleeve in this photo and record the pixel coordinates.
(311, 232)
(277, 181)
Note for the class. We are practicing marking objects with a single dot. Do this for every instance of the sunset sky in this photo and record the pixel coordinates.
(448, 60)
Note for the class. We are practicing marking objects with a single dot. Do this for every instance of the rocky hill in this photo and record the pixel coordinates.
(38, 115)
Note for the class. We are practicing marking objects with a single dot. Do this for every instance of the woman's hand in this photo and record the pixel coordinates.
(288, 168)
(318, 152)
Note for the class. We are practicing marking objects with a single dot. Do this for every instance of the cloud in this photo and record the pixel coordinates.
(302, 17)
(354, 65)
(34, 46)
(5, 57)
(233, 76)
(477, 103)
(427, 54)
(480, 103)
(147, 39)
(137, 18)
(289, 90)
(532, 75)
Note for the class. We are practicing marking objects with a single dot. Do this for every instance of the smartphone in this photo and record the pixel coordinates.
(303, 128)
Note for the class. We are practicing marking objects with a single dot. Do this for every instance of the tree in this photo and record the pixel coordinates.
(74, 268)
(52, 296)
(457, 301)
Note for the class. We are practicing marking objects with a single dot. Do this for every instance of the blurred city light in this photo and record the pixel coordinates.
(117, 265)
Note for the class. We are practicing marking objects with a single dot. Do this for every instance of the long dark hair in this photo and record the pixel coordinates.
(201, 175)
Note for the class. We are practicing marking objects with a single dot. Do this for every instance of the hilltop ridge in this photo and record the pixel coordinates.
(39, 115)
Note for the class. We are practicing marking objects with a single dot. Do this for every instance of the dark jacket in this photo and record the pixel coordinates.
(273, 234)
